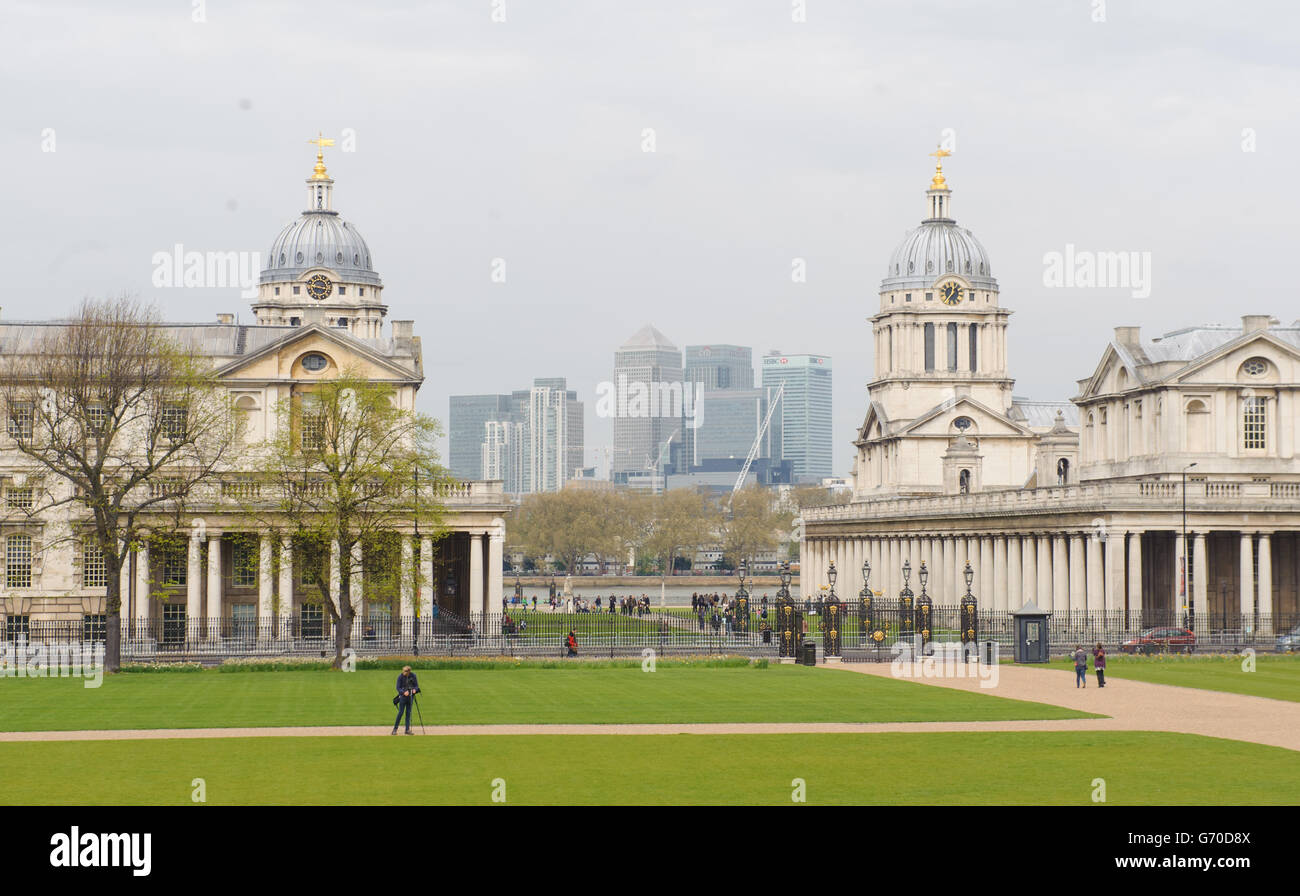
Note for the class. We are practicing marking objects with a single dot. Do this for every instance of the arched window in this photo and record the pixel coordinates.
(929, 346)
(952, 346)
(1062, 471)
(963, 482)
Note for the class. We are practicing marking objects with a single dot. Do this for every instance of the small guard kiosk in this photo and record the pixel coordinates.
(1031, 634)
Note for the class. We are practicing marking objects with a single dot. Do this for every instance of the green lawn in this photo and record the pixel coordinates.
(942, 769)
(581, 693)
(1275, 676)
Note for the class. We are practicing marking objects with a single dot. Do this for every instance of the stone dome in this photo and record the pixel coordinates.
(320, 239)
(935, 249)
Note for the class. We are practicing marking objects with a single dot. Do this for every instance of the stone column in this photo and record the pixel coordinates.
(1078, 595)
(1247, 576)
(336, 577)
(477, 593)
(426, 577)
(216, 599)
(1060, 573)
(1015, 571)
(124, 582)
(407, 587)
(805, 558)
(356, 585)
(999, 593)
(1044, 573)
(194, 587)
(265, 585)
(986, 573)
(496, 549)
(1265, 585)
(1135, 596)
(1096, 586)
(1200, 576)
(143, 598)
(1029, 569)
(286, 587)
(1180, 577)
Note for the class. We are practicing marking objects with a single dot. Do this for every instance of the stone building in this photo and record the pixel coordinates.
(319, 311)
(1075, 505)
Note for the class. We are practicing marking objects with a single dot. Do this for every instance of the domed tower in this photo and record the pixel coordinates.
(319, 268)
(940, 417)
(940, 330)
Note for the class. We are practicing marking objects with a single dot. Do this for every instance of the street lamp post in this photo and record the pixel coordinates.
(1189, 606)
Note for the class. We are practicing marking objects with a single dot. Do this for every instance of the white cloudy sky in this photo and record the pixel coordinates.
(775, 140)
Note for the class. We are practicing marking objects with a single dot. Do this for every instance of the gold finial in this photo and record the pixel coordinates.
(938, 183)
(321, 141)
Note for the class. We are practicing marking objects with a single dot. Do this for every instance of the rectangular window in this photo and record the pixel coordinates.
(96, 417)
(952, 346)
(974, 347)
(313, 621)
(313, 425)
(18, 499)
(93, 572)
(277, 290)
(175, 567)
(929, 297)
(929, 346)
(18, 561)
(362, 290)
(243, 573)
(18, 627)
(20, 420)
(244, 619)
(94, 627)
(1252, 423)
(295, 290)
(343, 290)
(343, 321)
(907, 296)
(174, 420)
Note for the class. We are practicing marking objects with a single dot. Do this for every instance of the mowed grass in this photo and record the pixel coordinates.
(940, 769)
(581, 693)
(1274, 676)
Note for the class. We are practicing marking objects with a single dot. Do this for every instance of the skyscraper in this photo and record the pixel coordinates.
(720, 366)
(465, 432)
(648, 404)
(804, 413)
(531, 439)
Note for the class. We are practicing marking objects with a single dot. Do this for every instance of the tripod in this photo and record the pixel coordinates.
(418, 714)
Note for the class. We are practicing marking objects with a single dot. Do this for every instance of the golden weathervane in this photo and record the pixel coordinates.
(321, 141)
(939, 155)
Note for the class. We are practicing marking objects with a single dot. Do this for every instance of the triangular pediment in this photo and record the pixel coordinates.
(1223, 362)
(1106, 378)
(875, 426)
(281, 359)
(938, 421)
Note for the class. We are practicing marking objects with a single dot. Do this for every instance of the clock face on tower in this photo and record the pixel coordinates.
(319, 287)
(950, 294)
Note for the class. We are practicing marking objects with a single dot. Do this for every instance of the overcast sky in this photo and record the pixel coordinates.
(774, 139)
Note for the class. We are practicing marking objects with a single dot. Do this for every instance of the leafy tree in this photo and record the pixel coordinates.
(349, 468)
(756, 524)
(123, 425)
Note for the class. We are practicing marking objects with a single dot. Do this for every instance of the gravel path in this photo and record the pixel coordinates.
(1129, 705)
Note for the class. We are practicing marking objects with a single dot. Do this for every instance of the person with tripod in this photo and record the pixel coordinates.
(407, 687)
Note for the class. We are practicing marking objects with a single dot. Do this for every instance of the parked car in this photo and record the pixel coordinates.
(1160, 640)
(1289, 642)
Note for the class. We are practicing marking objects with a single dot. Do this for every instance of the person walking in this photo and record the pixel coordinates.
(1099, 663)
(1080, 667)
(407, 687)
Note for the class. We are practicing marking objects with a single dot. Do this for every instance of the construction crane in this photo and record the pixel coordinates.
(753, 449)
(653, 467)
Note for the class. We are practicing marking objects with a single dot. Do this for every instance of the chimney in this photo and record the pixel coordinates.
(403, 329)
(1127, 335)
(225, 318)
(1251, 323)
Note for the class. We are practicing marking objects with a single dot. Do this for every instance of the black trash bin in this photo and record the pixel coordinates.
(767, 636)
(809, 656)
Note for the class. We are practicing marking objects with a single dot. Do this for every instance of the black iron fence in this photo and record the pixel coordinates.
(861, 633)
